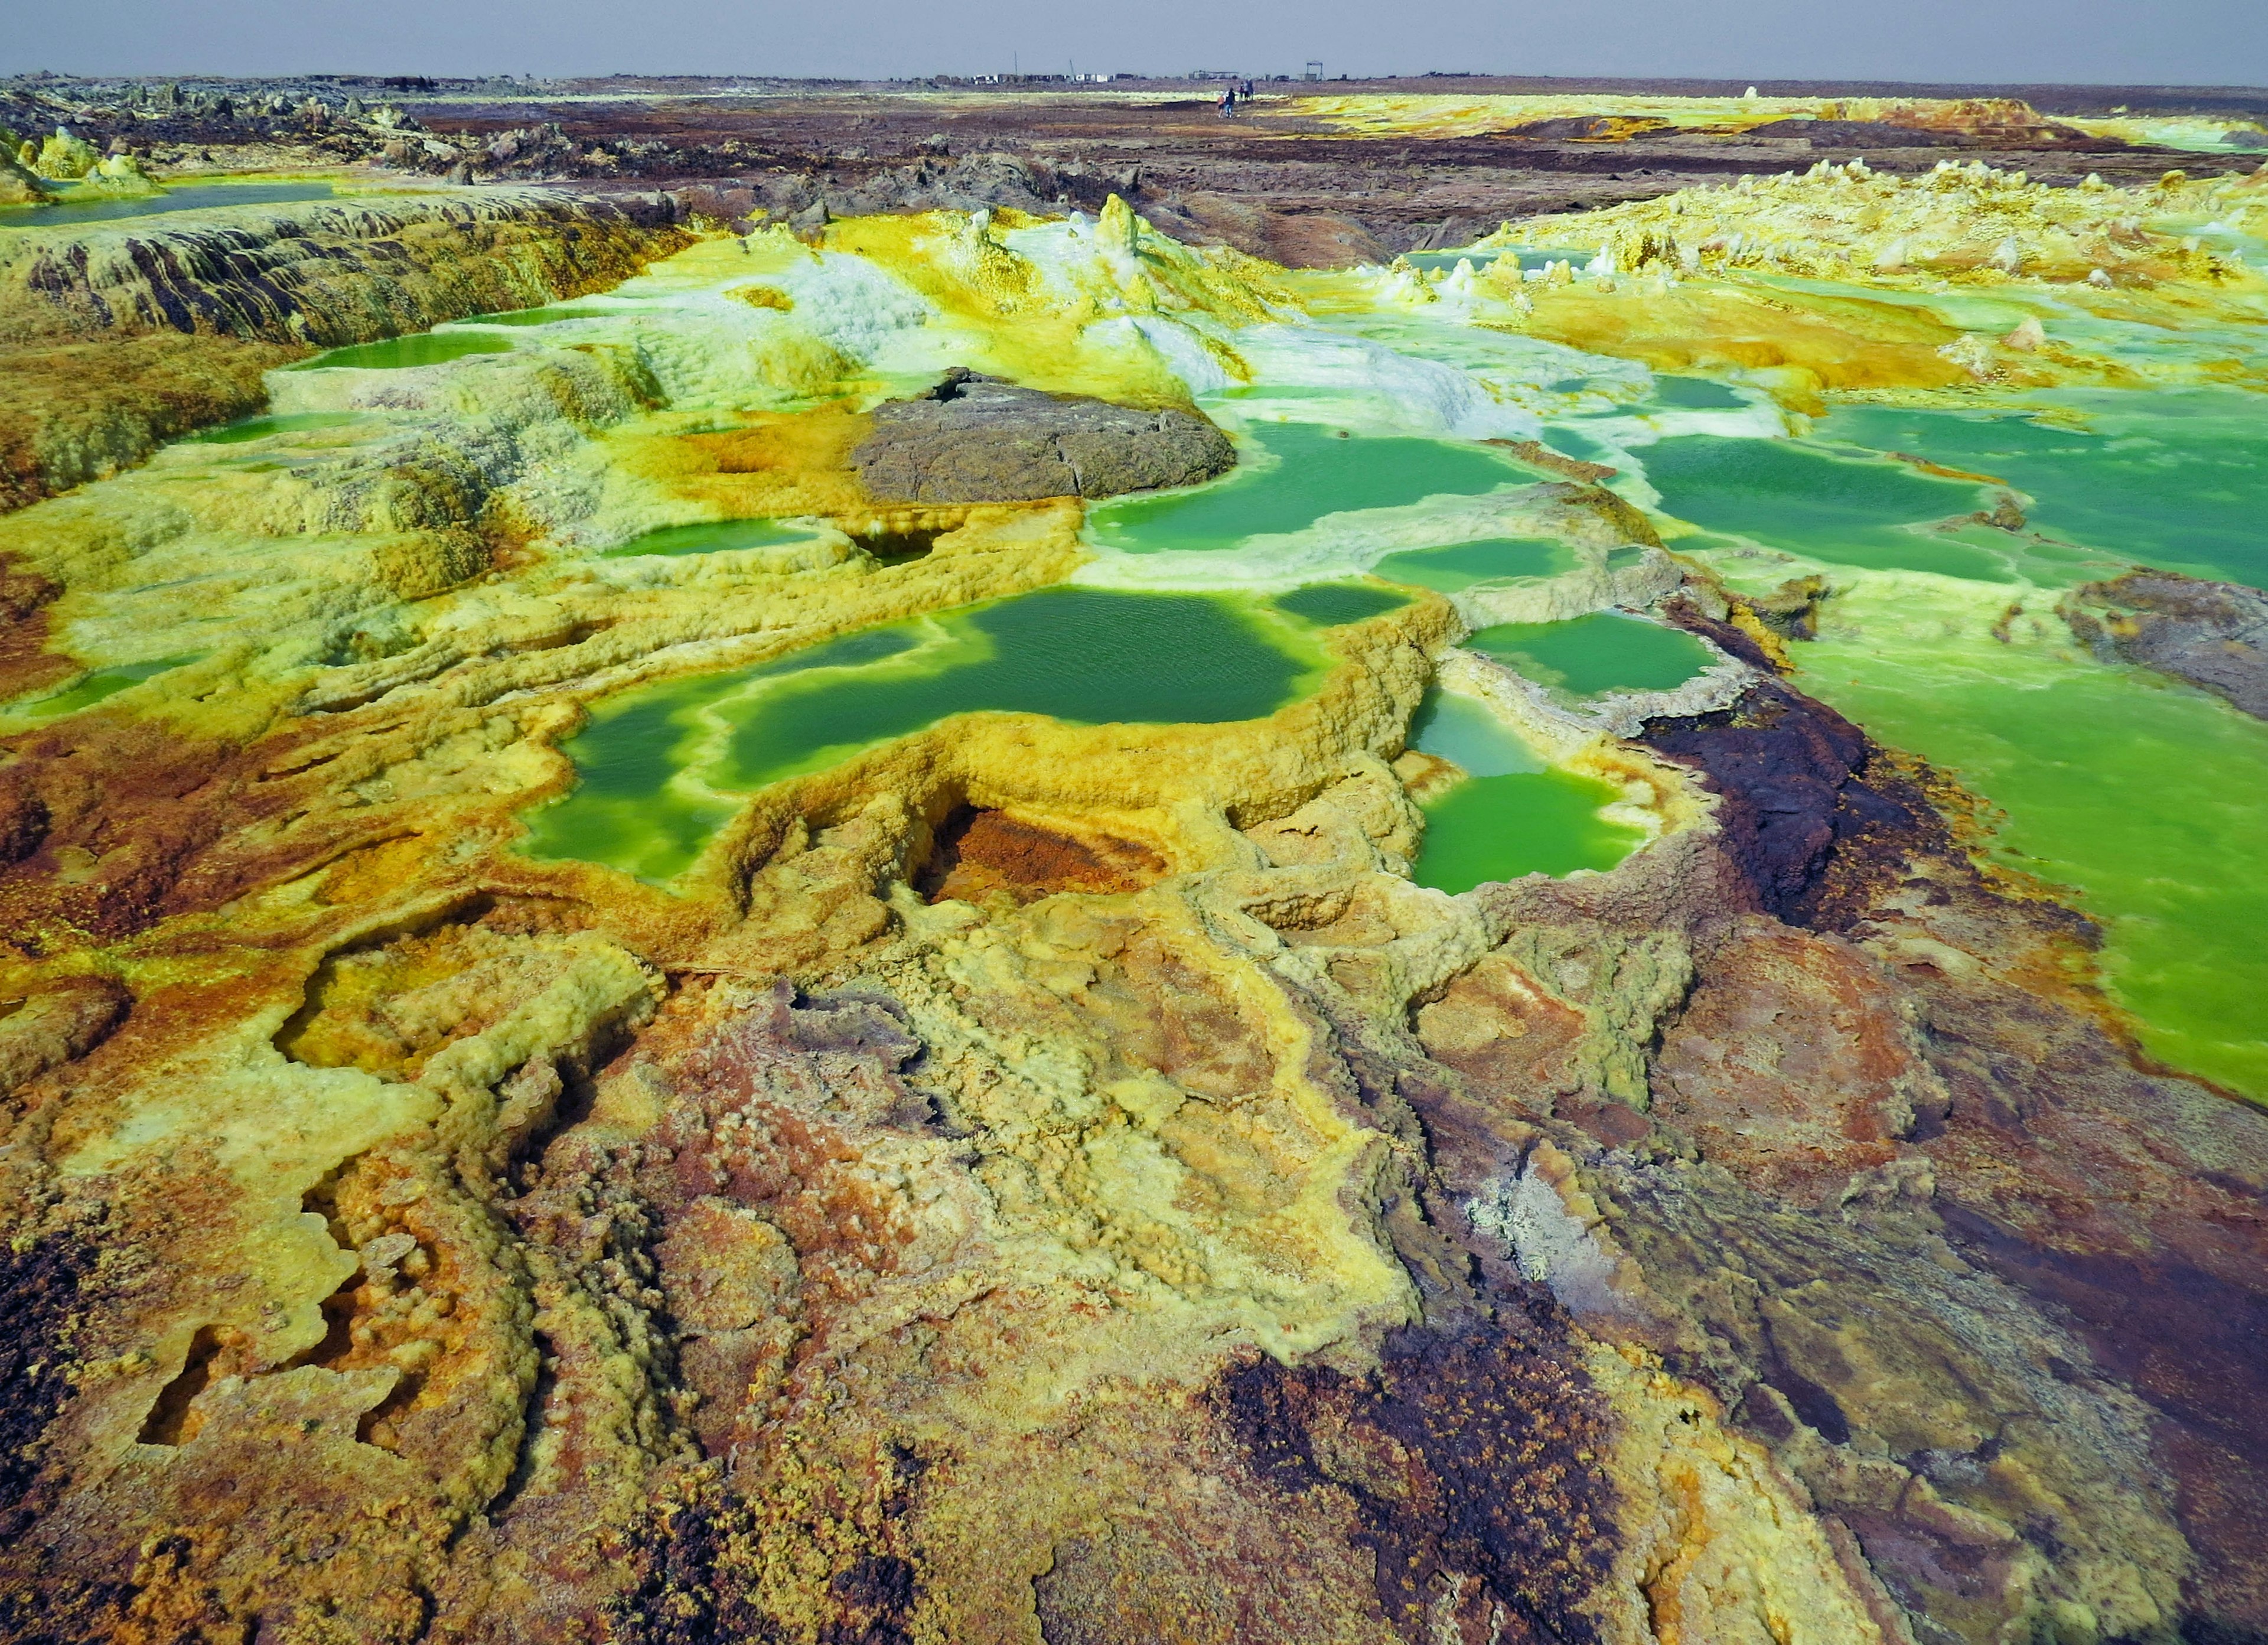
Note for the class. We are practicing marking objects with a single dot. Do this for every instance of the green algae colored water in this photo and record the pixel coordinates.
(658, 767)
(1459, 565)
(1333, 605)
(1586, 656)
(254, 428)
(1848, 510)
(103, 683)
(2149, 801)
(394, 354)
(1696, 394)
(707, 536)
(2144, 800)
(2173, 479)
(539, 316)
(1317, 471)
(1511, 816)
(90, 205)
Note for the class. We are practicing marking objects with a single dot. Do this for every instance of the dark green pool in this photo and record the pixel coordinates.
(1587, 656)
(660, 768)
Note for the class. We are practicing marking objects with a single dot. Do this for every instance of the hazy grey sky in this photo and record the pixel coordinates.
(2117, 41)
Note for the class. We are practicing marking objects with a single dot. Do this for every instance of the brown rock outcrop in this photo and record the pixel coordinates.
(975, 439)
(2214, 635)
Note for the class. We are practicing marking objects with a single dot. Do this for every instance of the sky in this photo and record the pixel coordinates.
(2131, 42)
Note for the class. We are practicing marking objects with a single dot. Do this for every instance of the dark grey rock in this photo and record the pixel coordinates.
(2214, 635)
(976, 439)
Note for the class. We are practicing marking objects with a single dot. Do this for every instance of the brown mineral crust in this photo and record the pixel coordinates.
(1537, 455)
(1789, 771)
(1472, 1456)
(1794, 1064)
(1506, 1034)
(25, 663)
(41, 1281)
(56, 1024)
(142, 803)
(2214, 635)
(1936, 1067)
(79, 411)
(740, 1230)
(1310, 240)
(980, 854)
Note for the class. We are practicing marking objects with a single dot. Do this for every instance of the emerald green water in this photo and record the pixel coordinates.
(89, 205)
(261, 427)
(539, 316)
(1332, 605)
(2173, 479)
(1603, 652)
(103, 683)
(657, 767)
(1317, 472)
(394, 354)
(1694, 394)
(1459, 565)
(2149, 799)
(1844, 510)
(1511, 816)
(2146, 801)
(708, 536)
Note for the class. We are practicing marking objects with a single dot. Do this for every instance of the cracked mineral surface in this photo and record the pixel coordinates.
(816, 865)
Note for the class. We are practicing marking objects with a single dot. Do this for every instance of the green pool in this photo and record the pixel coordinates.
(104, 682)
(708, 536)
(2148, 799)
(1846, 510)
(1333, 605)
(1604, 651)
(1459, 565)
(394, 354)
(1511, 816)
(2173, 478)
(261, 427)
(88, 204)
(660, 769)
(1316, 471)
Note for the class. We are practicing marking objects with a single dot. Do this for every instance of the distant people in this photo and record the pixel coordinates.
(1228, 104)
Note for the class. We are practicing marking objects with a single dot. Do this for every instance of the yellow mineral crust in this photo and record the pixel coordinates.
(1725, 1547)
(1972, 223)
(517, 1246)
(1844, 280)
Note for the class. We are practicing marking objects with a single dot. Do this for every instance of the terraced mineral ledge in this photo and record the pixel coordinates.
(963, 924)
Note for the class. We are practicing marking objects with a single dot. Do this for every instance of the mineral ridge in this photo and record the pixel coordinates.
(1013, 1174)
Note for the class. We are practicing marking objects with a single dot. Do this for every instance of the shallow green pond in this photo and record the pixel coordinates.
(254, 428)
(1317, 471)
(1603, 652)
(1696, 394)
(1332, 605)
(1511, 816)
(103, 683)
(91, 205)
(708, 536)
(658, 766)
(2149, 799)
(1459, 565)
(539, 316)
(2174, 479)
(1849, 510)
(394, 354)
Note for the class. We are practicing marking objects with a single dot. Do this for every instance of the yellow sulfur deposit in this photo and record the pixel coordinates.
(610, 1035)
